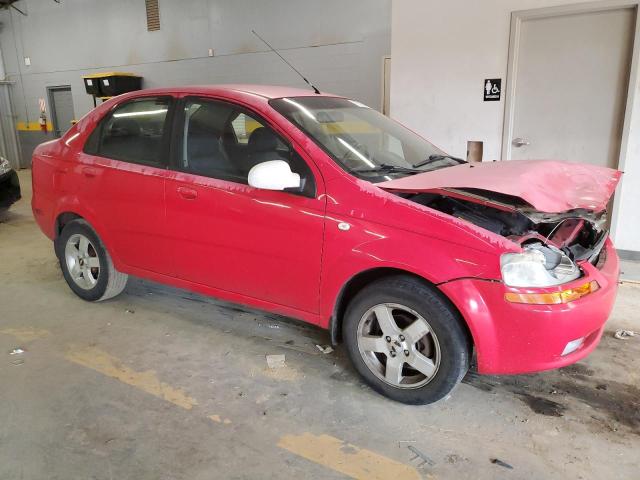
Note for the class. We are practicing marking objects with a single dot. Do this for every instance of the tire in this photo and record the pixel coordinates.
(417, 365)
(86, 265)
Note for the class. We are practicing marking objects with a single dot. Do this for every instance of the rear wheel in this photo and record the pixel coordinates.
(406, 341)
(86, 264)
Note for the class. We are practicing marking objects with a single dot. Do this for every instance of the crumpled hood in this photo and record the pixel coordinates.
(547, 185)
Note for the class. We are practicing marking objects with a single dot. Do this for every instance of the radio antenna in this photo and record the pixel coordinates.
(285, 61)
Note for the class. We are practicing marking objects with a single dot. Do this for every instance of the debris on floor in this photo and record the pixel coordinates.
(276, 361)
(129, 311)
(400, 442)
(497, 461)
(625, 334)
(17, 351)
(423, 458)
(324, 348)
(279, 370)
(218, 419)
(453, 458)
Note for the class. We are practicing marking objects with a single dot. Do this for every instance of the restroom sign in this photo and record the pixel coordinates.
(492, 89)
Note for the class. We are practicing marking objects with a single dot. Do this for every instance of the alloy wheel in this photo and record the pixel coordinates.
(398, 345)
(82, 261)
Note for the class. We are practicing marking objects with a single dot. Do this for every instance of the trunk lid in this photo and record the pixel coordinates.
(546, 185)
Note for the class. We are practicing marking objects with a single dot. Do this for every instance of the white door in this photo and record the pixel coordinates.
(571, 74)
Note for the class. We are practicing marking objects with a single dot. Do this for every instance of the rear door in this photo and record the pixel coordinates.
(228, 235)
(124, 165)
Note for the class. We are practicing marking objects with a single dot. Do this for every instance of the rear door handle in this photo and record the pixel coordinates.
(187, 193)
(89, 172)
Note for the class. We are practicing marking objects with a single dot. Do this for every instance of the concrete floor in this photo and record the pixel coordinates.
(161, 383)
(630, 271)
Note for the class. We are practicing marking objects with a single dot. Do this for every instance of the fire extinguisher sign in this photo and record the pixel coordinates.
(492, 89)
(42, 105)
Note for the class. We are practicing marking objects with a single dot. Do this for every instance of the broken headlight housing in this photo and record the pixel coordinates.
(537, 266)
(5, 166)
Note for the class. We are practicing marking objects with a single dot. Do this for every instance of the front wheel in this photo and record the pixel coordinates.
(86, 264)
(406, 341)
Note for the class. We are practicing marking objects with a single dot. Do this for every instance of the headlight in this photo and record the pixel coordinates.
(537, 266)
(5, 166)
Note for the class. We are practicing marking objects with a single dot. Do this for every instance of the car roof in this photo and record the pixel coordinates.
(265, 91)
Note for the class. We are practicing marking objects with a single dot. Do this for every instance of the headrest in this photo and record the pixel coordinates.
(262, 140)
(124, 127)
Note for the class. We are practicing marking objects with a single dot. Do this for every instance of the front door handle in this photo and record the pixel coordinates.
(520, 142)
(187, 193)
(89, 172)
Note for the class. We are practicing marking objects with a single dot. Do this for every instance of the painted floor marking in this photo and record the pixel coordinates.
(324, 450)
(102, 362)
(345, 458)
(25, 334)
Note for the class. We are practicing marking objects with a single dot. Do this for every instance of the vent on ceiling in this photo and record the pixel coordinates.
(153, 15)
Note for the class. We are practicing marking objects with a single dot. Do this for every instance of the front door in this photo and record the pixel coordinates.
(571, 76)
(228, 235)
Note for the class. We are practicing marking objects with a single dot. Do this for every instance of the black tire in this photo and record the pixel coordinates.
(451, 336)
(109, 282)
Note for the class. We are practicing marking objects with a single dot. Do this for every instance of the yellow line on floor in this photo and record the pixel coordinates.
(345, 458)
(106, 364)
(25, 334)
(325, 450)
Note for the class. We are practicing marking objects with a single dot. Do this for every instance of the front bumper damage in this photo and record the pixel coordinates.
(514, 338)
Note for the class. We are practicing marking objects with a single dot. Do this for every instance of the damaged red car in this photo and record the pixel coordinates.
(319, 208)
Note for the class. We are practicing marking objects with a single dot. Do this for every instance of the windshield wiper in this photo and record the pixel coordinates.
(384, 168)
(435, 158)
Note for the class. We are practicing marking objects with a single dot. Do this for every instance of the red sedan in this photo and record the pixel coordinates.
(317, 207)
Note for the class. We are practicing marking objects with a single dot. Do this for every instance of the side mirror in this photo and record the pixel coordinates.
(273, 175)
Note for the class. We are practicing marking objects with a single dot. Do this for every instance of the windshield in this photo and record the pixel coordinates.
(361, 140)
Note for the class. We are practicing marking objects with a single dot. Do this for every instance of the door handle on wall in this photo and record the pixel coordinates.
(187, 193)
(89, 172)
(520, 142)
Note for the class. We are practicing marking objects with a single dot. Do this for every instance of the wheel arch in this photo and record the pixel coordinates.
(360, 280)
(66, 216)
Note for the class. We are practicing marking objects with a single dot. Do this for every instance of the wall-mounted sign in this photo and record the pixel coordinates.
(492, 89)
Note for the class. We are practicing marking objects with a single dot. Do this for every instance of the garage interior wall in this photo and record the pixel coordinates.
(441, 53)
(338, 45)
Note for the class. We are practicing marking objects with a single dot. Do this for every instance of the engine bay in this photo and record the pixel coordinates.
(578, 234)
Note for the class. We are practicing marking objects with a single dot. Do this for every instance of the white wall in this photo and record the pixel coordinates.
(440, 54)
(338, 45)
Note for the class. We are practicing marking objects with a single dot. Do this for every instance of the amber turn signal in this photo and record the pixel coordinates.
(553, 298)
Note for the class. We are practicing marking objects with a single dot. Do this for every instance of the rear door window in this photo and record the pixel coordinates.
(133, 132)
